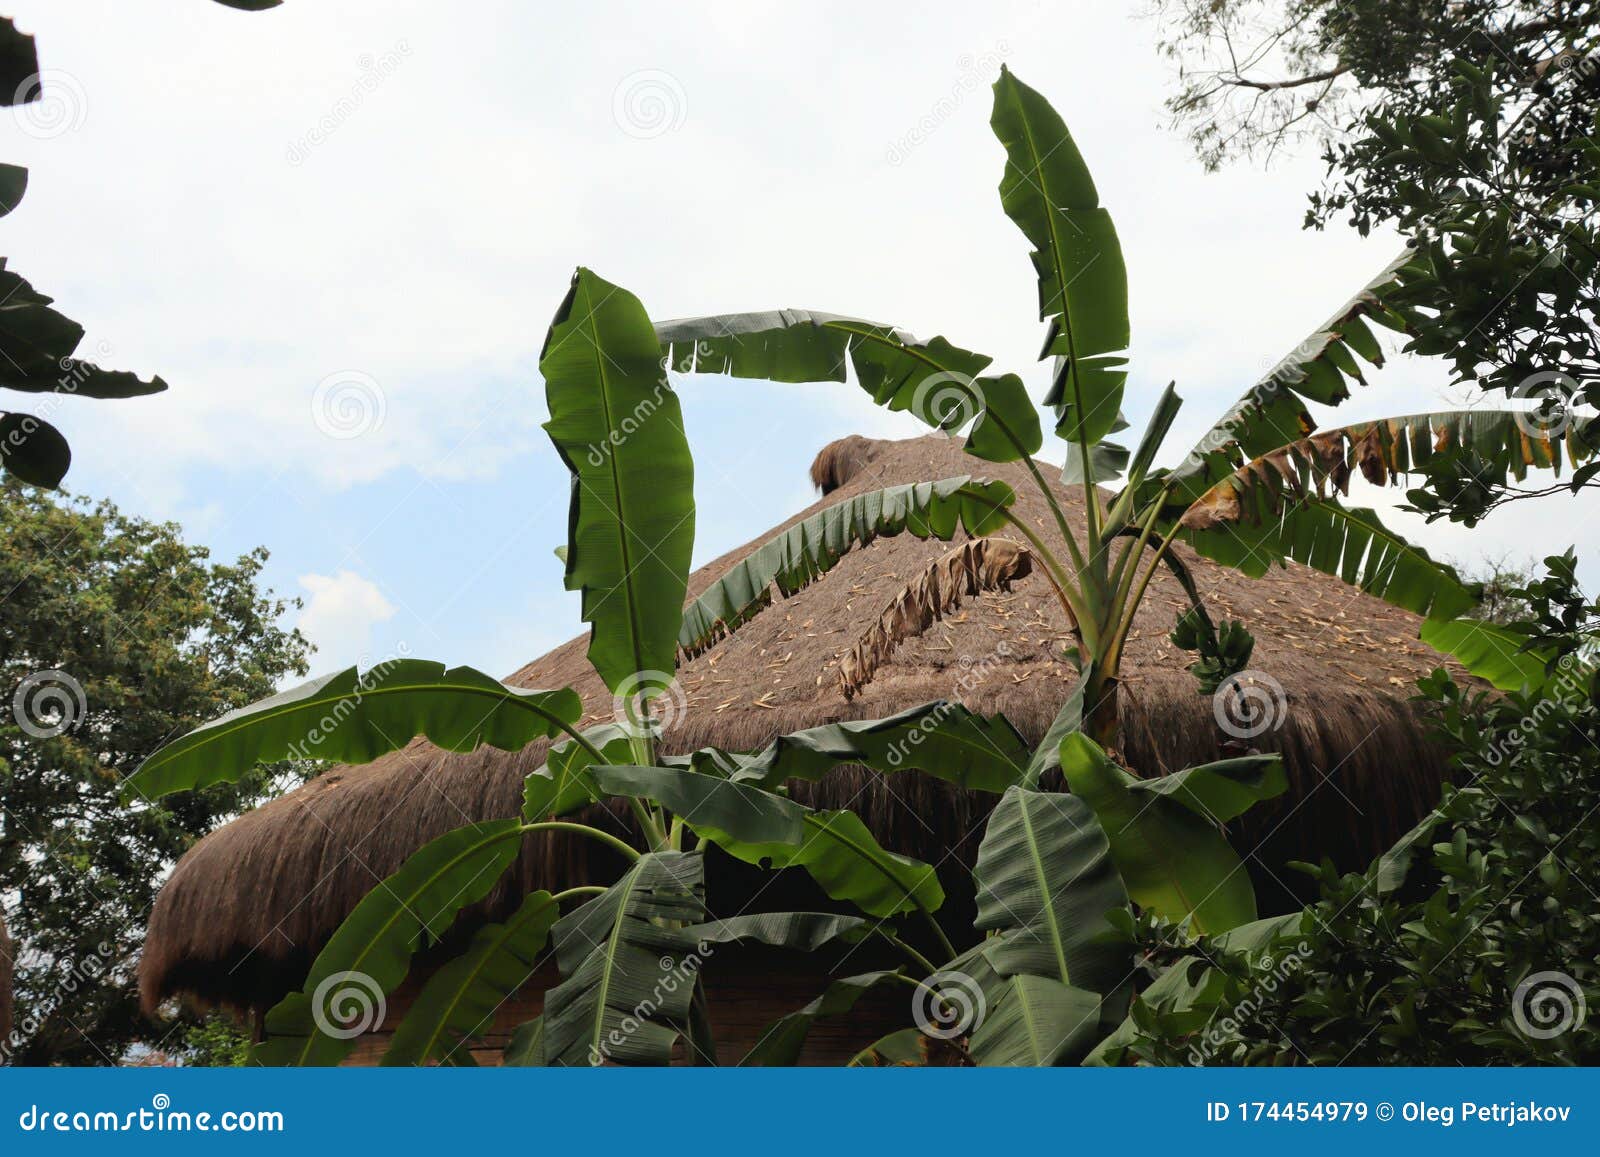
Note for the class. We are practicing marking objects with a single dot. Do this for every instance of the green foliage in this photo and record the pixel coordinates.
(159, 637)
(1472, 942)
(1223, 651)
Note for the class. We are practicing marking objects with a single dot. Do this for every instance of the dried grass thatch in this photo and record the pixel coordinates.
(247, 908)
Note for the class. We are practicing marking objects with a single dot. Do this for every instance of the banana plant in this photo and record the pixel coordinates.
(1058, 871)
(1260, 488)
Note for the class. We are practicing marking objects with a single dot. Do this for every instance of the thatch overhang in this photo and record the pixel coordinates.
(248, 907)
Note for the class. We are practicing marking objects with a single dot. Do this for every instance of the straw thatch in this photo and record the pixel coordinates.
(246, 909)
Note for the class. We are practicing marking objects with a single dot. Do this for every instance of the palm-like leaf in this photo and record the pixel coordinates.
(933, 380)
(1045, 883)
(1083, 283)
(1272, 412)
(800, 931)
(1037, 1021)
(941, 739)
(810, 548)
(717, 809)
(463, 996)
(780, 1045)
(1164, 838)
(619, 429)
(36, 346)
(355, 718)
(371, 952)
(628, 966)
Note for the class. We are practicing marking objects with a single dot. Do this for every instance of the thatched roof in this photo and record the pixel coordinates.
(248, 907)
(7, 971)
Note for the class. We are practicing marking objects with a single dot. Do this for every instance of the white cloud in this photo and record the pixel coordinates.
(339, 616)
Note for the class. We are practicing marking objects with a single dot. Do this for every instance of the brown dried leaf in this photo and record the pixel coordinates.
(986, 564)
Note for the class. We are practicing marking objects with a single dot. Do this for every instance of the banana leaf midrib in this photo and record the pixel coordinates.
(255, 719)
(608, 966)
(1046, 893)
(866, 855)
(635, 632)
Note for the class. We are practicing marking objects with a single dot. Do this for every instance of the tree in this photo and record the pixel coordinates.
(1074, 842)
(1464, 124)
(117, 635)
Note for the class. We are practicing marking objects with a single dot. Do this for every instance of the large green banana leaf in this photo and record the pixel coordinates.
(941, 739)
(36, 346)
(629, 966)
(1083, 283)
(370, 954)
(356, 718)
(526, 1046)
(462, 998)
(1046, 882)
(717, 809)
(846, 860)
(936, 382)
(801, 931)
(1270, 525)
(617, 425)
(563, 784)
(1038, 1021)
(780, 1045)
(809, 549)
(1273, 412)
(1223, 790)
(34, 451)
(1490, 652)
(1169, 852)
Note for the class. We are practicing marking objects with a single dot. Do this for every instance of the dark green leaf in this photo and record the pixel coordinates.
(810, 548)
(462, 997)
(33, 450)
(780, 1045)
(355, 718)
(370, 954)
(619, 429)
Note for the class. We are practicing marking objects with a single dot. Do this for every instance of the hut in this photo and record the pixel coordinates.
(247, 909)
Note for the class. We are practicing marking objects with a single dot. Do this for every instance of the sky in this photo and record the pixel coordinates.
(339, 231)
